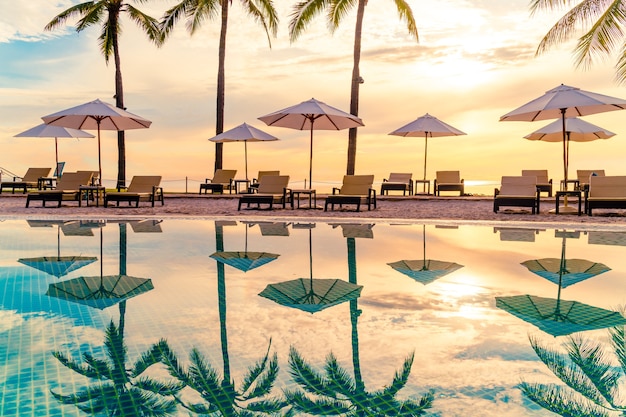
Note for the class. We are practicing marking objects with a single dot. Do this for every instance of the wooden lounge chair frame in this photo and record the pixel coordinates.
(605, 192)
(272, 189)
(356, 190)
(397, 182)
(141, 188)
(29, 180)
(254, 185)
(223, 179)
(449, 181)
(583, 175)
(67, 189)
(517, 191)
(544, 184)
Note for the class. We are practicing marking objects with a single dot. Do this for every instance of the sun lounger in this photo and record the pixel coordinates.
(355, 189)
(605, 192)
(222, 180)
(449, 181)
(29, 180)
(67, 189)
(272, 189)
(141, 188)
(397, 182)
(544, 185)
(254, 186)
(517, 191)
(582, 183)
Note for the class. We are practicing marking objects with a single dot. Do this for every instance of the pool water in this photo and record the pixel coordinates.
(395, 313)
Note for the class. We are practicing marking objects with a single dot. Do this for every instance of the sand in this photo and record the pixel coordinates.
(415, 208)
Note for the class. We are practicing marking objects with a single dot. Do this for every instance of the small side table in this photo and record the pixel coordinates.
(569, 193)
(90, 191)
(426, 185)
(237, 184)
(575, 182)
(44, 183)
(295, 195)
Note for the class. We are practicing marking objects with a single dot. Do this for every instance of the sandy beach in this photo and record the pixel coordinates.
(470, 208)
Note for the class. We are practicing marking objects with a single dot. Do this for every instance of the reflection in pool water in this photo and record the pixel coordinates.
(397, 346)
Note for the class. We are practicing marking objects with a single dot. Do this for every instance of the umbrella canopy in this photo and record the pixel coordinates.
(245, 261)
(425, 271)
(58, 266)
(100, 291)
(312, 294)
(243, 133)
(49, 131)
(312, 115)
(426, 126)
(563, 102)
(559, 317)
(97, 115)
(565, 271)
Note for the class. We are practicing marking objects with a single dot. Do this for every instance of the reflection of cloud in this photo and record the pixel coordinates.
(491, 348)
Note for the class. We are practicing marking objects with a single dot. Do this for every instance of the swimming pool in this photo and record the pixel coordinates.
(441, 294)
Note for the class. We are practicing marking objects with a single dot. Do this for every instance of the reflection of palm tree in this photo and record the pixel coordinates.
(588, 371)
(336, 392)
(220, 394)
(122, 391)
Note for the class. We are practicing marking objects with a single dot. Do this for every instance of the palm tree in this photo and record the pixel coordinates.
(108, 13)
(336, 393)
(121, 391)
(196, 11)
(605, 20)
(305, 11)
(591, 380)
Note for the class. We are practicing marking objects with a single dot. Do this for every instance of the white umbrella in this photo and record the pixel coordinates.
(312, 115)
(576, 129)
(97, 115)
(243, 133)
(426, 126)
(47, 131)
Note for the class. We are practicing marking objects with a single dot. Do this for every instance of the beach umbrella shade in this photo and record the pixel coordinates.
(49, 131)
(244, 261)
(100, 291)
(58, 266)
(565, 271)
(97, 115)
(427, 126)
(559, 317)
(560, 103)
(243, 133)
(312, 115)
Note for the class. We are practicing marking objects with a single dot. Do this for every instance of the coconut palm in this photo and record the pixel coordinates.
(591, 382)
(108, 14)
(336, 10)
(196, 11)
(604, 20)
(335, 392)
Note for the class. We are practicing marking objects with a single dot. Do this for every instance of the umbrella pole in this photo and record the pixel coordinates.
(311, 158)
(245, 152)
(56, 154)
(425, 154)
(99, 155)
(564, 155)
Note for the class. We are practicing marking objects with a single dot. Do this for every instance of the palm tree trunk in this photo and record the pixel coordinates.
(354, 88)
(221, 85)
(354, 317)
(122, 270)
(119, 103)
(221, 300)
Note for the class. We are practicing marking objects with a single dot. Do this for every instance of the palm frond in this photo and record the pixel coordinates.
(565, 403)
(256, 370)
(264, 13)
(172, 16)
(601, 39)
(74, 11)
(339, 380)
(148, 24)
(406, 15)
(618, 342)
(150, 357)
(265, 384)
(620, 67)
(200, 11)
(100, 367)
(92, 15)
(401, 377)
(320, 406)
(158, 387)
(205, 379)
(84, 370)
(412, 408)
(338, 10)
(302, 14)
(146, 403)
(304, 375)
(270, 406)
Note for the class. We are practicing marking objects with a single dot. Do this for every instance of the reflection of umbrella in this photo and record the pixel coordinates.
(562, 102)
(244, 261)
(559, 317)
(97, 115)
(58, 266)
(243, 133)
(48, 131)
(425, 270)
(426, 126)
(312, 115)
(100, 291)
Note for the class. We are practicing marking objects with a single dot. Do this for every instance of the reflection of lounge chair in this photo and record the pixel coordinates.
(514, 234)
(517, 191)
(606, 192)
(600, 237)
(272, 189)
(355, 189)
(397, 182)
(543, 183)
(254, 186)
(356, 230)
(582, 183)
(146, 226)
(67, 189)
(141, 188)
(222, 180)
(29, 180)
(274, 228)
(449, 181)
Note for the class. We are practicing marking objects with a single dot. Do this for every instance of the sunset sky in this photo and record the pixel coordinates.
(474, 62)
